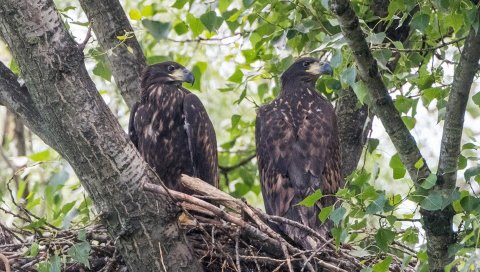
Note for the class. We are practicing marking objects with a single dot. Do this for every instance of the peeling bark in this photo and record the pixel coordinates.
(109, 21)
(65, 100)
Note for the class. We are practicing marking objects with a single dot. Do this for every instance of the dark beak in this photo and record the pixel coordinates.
(188, 76)
(326, 69)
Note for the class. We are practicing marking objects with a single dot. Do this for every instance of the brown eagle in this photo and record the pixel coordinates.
(171, 128)
(298, 150)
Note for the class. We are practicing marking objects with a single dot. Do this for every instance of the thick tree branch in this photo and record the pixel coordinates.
(126, 60)
(17, 99)
(456, 106)
(352, 129)
(438, 224)
(74, 117)
(381, 103)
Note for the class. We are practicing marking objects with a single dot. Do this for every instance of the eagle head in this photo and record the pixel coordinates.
(168, 72)
(306, 69)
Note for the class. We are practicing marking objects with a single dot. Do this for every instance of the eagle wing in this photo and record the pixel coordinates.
(201, 139)
(297, 157)
(131, 125)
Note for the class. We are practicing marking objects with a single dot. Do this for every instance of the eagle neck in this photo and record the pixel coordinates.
(297, 88)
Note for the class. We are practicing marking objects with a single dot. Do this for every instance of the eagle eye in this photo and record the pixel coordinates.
(306, 63)
(170, 68)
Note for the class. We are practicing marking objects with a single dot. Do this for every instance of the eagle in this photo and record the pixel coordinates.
(171, 128)
(298, 150)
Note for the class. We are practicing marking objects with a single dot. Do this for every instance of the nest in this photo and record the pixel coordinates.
(225, 233)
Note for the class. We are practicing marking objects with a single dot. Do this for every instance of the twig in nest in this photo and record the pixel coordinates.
(287, 257)
(5, 262)
(237, 238)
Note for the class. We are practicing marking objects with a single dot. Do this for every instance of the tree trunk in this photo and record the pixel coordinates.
(78, 124)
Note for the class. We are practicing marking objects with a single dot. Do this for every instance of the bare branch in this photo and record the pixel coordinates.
(126, 59)
(380, 101)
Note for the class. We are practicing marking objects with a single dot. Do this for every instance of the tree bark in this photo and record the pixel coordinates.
(108, 22)
(380, 101)
(68, 113)
(438, 224)
(352, 130)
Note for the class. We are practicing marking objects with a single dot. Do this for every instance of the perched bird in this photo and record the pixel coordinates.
(298, 150)
(171, 128)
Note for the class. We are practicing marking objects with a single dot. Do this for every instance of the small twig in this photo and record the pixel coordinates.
(287, 258)
(239, 267)
(239, 164)
(82, 45)
(5, 262)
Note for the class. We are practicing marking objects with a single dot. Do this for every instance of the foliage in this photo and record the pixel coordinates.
(237, 51)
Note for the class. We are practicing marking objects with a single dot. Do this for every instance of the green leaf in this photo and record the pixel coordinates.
(471, 172)
(476, 99)
(159, 30)
(325, 213)
(360, 90)
(179, 4)
(80, 252)
(34, 249)
(432, 202)
(209, 20)
(181, 28)
(82, 235)
(419, 164)
(384, 238)
(372, 144)
(135, 14)
(409, 122)
(397, 167)
(377, 205)
(420, 22)
(310, 200)
(429, 182)
(53, 264)
(101, 69)
(340, 235)
(147, 10)
(195, 24)
(44, 155)
(376, 38)
(348, 76)
(237, 76)
(382, 266)
(337, 215)
(470, 204)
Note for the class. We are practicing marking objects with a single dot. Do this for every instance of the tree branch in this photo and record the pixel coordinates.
(380, 101)
(17, 99)
(126, 60)
(456, 106)
(438, 224)
(76, 119)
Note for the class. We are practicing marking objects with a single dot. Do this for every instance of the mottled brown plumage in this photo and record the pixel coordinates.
(171, 128)
(298, 150)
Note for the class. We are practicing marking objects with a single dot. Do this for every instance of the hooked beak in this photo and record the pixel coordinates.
(188, 76)
(320, 68)
(183, 75)
(326, 69)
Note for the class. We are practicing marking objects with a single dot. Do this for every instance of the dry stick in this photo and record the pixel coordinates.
(5, 262)
(199, 185)
(239, 267)
(225, 199)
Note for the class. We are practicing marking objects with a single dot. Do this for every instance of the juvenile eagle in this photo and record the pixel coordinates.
(171, 128)
(298, 149)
